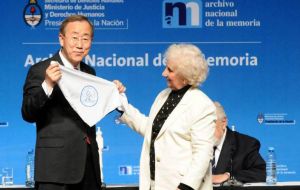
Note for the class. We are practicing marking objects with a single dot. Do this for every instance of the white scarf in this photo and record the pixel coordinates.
(90, 96)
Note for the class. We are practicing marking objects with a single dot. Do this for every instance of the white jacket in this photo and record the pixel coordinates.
(184, 145)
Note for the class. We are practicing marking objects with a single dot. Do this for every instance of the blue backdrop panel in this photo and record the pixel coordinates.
(252, 48)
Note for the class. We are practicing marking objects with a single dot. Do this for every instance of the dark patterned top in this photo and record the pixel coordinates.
(167, 108)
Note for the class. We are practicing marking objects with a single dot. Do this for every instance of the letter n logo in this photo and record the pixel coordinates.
(182, 14)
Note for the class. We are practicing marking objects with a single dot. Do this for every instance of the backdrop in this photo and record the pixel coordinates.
(252, 48)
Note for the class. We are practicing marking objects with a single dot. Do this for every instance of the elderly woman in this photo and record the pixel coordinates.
(179, 131)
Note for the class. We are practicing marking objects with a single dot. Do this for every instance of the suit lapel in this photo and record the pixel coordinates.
(179, 109)
(156, 107)
(57, 58)
(224, 162)
(83, 68)
(159, 103)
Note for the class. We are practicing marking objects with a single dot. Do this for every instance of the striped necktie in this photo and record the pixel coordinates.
(213, 162)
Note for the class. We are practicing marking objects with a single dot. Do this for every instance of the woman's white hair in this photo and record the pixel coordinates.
(189, 61)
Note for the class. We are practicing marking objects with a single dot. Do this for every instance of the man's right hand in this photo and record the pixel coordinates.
(220, 178)
(53, 74)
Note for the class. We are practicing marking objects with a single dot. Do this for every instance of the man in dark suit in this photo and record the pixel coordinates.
(66, 156)
(236, 155)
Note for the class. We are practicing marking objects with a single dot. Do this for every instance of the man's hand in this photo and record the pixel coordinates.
(220, 178)
(53, 74)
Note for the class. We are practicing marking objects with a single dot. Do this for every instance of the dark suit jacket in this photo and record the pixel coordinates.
(61, 149)
(241, 152)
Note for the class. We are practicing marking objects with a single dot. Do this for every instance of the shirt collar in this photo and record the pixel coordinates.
(66, 62)
(219, 147)
(181, 91)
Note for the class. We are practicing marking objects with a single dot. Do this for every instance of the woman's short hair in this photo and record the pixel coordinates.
(74, 18)
(189, 63)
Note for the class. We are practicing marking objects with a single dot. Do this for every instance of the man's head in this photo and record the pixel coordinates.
(75, 37)
(221, 122)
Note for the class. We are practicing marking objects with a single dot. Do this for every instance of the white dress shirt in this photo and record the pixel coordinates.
(219, 148)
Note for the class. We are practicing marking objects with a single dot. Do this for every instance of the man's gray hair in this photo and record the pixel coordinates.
(220, 111)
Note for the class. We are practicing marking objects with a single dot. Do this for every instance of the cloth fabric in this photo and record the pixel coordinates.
(184, 144)
(167, 108)
(90, 96)
(241, 158)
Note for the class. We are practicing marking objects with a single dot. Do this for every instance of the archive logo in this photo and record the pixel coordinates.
(182, 14)
(125, 170)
